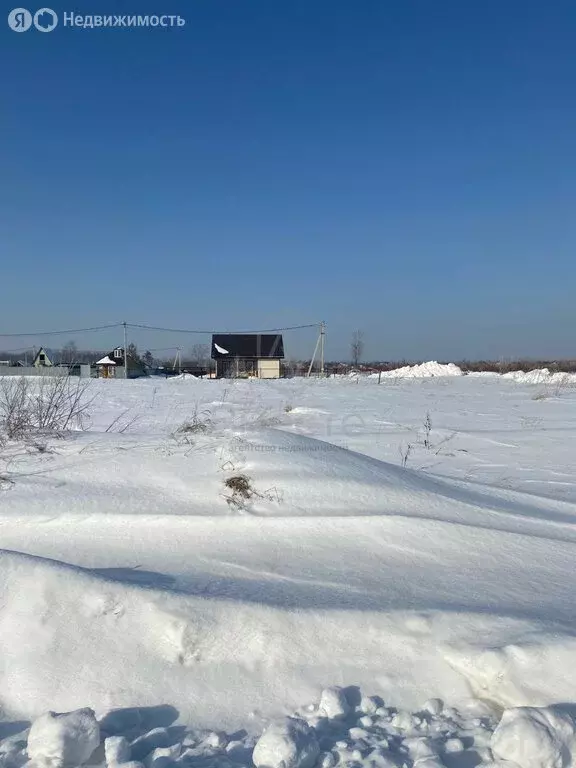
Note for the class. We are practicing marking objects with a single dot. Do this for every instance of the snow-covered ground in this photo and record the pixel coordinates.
(408, 540)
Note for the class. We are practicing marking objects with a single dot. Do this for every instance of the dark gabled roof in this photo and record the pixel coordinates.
(50, 353)
(256, 345)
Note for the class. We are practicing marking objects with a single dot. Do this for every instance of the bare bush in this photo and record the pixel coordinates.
(118, 427)
(405, 451)
(200, 422)
(15, 411)
(356, 347)
(556, 387)
(427, 426)
(60, 403)
(49, 404)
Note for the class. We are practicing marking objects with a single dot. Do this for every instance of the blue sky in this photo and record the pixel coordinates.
(407, 168)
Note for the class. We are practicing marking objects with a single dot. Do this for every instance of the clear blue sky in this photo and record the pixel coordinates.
(404, 167)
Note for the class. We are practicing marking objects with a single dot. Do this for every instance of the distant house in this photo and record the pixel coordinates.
(112, 365)
(195, 370)
(44, 358)
(247, 355)
(106, 367)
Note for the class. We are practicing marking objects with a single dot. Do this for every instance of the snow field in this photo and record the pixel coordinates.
(130, 584)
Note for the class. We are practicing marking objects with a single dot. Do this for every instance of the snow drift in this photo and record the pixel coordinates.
(542, 376)
(144, 585)
(421, 371)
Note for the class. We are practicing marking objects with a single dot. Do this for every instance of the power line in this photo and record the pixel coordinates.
(61, 333)
(206, 332)
(150, 328)
(19, 349)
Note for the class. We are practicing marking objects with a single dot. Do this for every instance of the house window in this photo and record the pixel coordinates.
(118, 354)
(42, 358)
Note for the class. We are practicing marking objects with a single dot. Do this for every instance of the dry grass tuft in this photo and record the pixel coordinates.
(242, 491)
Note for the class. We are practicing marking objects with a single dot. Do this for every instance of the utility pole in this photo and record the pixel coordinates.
(177, 360)
(322, 339)
(318, 340)
(125, 350)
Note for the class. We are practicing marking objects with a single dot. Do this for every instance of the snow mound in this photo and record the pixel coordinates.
(333, 703)
(62, 740)
(315, 478)
(217, 659)
(288, 744)
(183, 377)
(421, 371)
(117, 750)
(542, 376)
(535, 738)
(290, 475)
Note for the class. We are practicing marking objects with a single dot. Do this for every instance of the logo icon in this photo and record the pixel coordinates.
(20, 20)
(45, 20)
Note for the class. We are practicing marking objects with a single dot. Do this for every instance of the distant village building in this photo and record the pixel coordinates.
(247, 355)
(44, 358)
(112, 365)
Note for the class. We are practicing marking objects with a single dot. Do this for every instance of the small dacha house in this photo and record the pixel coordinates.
(44, 358)
(112, 365)
(247, 355)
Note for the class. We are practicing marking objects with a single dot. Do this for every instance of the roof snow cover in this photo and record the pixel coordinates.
(105, 361)
(253, 345)
(442, 573)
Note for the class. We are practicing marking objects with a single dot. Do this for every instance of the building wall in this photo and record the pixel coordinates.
(269, 369)
(46, 364)
(83, 371)
(31, 371)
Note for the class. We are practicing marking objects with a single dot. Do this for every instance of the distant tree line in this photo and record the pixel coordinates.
(467, 366)
(198, 357)
(523, 364)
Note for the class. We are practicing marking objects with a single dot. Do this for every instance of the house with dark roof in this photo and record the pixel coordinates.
(111, 366)
(247, 355)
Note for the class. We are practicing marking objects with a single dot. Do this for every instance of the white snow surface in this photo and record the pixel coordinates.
(535, 738)
(63, 739)
(426, 598)
(291, 743)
